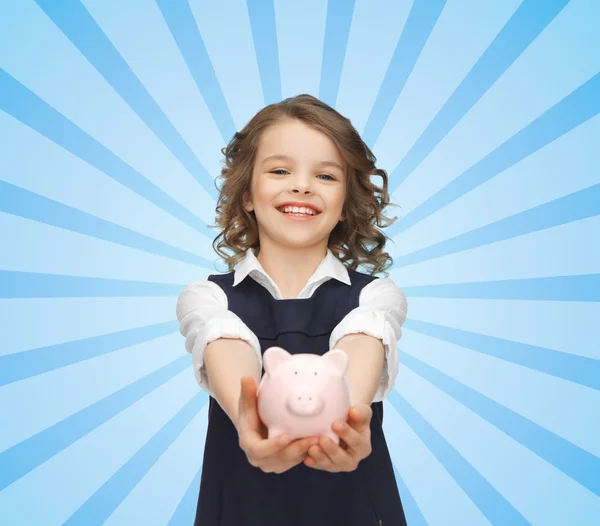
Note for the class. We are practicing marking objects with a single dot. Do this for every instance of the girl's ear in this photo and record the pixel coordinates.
(248, 206)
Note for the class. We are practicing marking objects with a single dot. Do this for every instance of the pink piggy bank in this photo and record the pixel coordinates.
(303, 394)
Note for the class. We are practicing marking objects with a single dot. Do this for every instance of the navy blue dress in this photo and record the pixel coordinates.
(233, 492)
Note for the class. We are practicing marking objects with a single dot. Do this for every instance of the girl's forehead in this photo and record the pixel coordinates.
(288, 131)
(296, 145)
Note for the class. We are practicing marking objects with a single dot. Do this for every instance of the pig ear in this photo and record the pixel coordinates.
(338, 359)
(274, 357)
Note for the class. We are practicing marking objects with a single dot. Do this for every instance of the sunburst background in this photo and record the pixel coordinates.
(485, 115)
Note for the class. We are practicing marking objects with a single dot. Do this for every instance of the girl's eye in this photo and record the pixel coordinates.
(320, 175)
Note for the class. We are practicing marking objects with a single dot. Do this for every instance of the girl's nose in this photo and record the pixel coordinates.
(302, 184)
(301, 191)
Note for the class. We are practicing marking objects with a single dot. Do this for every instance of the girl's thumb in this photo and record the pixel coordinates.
(245, 400)
(360, 414)
(243, 395)
(247, 391)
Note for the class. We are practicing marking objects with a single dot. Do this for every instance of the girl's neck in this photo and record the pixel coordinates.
(291, 268)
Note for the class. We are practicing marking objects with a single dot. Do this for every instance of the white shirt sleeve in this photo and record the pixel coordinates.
(204, 317)
(381, 313)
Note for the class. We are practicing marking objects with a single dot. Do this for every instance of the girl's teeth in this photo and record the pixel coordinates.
(296, 210)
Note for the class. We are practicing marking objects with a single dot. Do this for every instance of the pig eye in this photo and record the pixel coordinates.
(295, 372)
(315, 374)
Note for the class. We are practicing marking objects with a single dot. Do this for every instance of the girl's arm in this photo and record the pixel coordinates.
(370, 334)
(227, 361)
(222, 346)
(365, 363)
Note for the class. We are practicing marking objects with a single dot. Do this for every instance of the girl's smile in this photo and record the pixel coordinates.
(298, 211)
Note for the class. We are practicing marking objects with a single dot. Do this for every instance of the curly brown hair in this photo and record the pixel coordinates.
(354, 241)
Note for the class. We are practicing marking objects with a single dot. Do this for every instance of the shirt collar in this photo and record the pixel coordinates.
(330, 267)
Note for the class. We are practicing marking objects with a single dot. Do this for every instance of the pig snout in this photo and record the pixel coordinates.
(305, 402)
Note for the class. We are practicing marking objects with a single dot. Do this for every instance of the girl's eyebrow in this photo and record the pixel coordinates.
(279, 157)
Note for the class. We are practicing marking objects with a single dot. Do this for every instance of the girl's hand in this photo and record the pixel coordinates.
(271, 455)
(354, 446)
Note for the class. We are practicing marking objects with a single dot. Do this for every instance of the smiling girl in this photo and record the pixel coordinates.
(299, 214)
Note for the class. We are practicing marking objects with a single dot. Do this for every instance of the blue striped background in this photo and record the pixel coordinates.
(485, 115)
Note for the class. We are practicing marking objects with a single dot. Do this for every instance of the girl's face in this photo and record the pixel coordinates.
(296, 163)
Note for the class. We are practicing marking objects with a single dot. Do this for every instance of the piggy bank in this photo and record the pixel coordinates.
(303, 394)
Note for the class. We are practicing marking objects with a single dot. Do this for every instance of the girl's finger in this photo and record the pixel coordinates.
(257, 448)
(248, 421)
(263, 448)
(359, 417)
(300, 446)
(339, 457)
(310, 462)
(277, 446)
(248, 392)
(320, 460)
(277, 465)
(248, 407)
(348, 434)
(243, 402)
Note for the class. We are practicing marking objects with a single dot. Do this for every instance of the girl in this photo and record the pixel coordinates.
(299, 212)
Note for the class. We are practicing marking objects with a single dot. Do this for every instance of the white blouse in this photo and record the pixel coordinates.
(204, 317)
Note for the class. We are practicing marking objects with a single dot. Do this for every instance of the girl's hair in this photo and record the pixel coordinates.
(354, 241)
